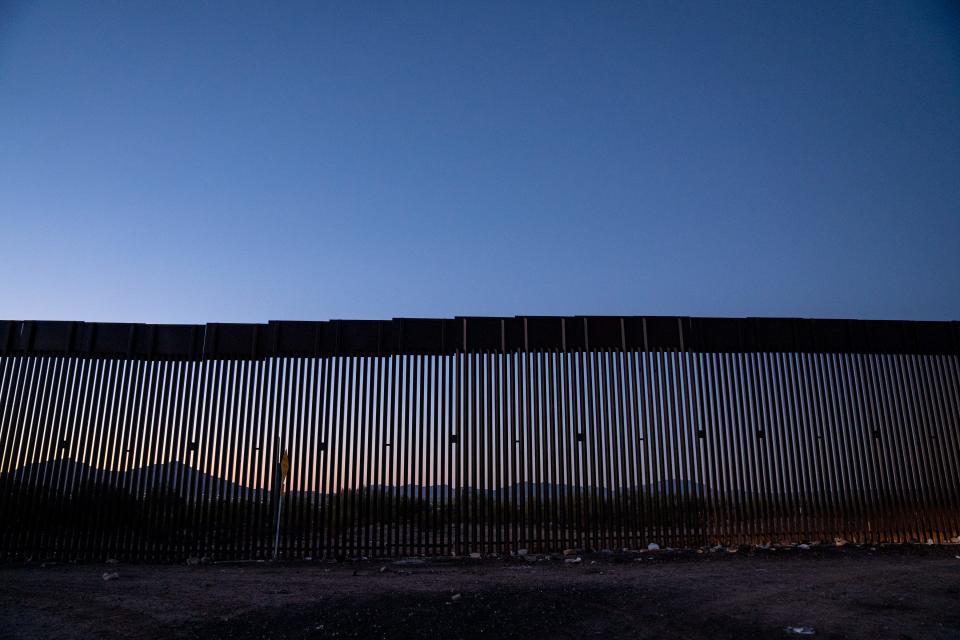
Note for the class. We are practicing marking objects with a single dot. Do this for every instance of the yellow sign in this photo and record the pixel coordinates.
(285, 465)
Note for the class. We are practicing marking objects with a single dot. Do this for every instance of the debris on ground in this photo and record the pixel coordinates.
(383, 569)
(111, 576)
(803, 546)
(653, 546)
(475, 555)
(406, 562)
(576, 560)
(112, 561)
(455, 597)
(801, 631)
(569, 552)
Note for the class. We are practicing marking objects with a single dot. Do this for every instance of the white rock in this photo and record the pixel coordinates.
(455, 597)
(801, 631)
(804, 547)
(522, 552)
(653, 546)
(716, 548)
(930, 541)
(576, 560)
(111, 576)
(475, 555)
(111, 561)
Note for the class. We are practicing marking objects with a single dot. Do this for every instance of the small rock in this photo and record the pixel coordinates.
(111, 561)
(716, 548)
(522, 552)
(307, 558)
(800, 631)
(653, 546)
(569, 552)
(455, 597)
(576, 560)
(383, 569)
(839, 542)
(475, 555)
(804, 547)
(204, 559)
(764, 547)
(111, 576)
(193, 560)
(406, 562)
(929, 541)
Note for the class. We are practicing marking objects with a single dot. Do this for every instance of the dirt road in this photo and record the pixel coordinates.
(891, 592)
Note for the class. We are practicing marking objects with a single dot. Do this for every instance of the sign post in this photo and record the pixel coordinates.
(284, 472)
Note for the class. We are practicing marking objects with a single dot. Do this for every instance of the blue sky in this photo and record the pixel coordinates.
(238, 162)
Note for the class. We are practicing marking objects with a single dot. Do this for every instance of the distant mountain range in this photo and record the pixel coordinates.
(177, 477)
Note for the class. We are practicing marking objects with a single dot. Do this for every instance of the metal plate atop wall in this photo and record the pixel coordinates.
(438, 336)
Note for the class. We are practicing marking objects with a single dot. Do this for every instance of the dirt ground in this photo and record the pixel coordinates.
(910, 591)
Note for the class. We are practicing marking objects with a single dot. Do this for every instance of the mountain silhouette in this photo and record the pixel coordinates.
(182, 479)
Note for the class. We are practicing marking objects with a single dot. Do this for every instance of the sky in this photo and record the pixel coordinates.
(248, 161)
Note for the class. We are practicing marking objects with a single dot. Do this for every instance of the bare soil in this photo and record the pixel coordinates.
(906, 591)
